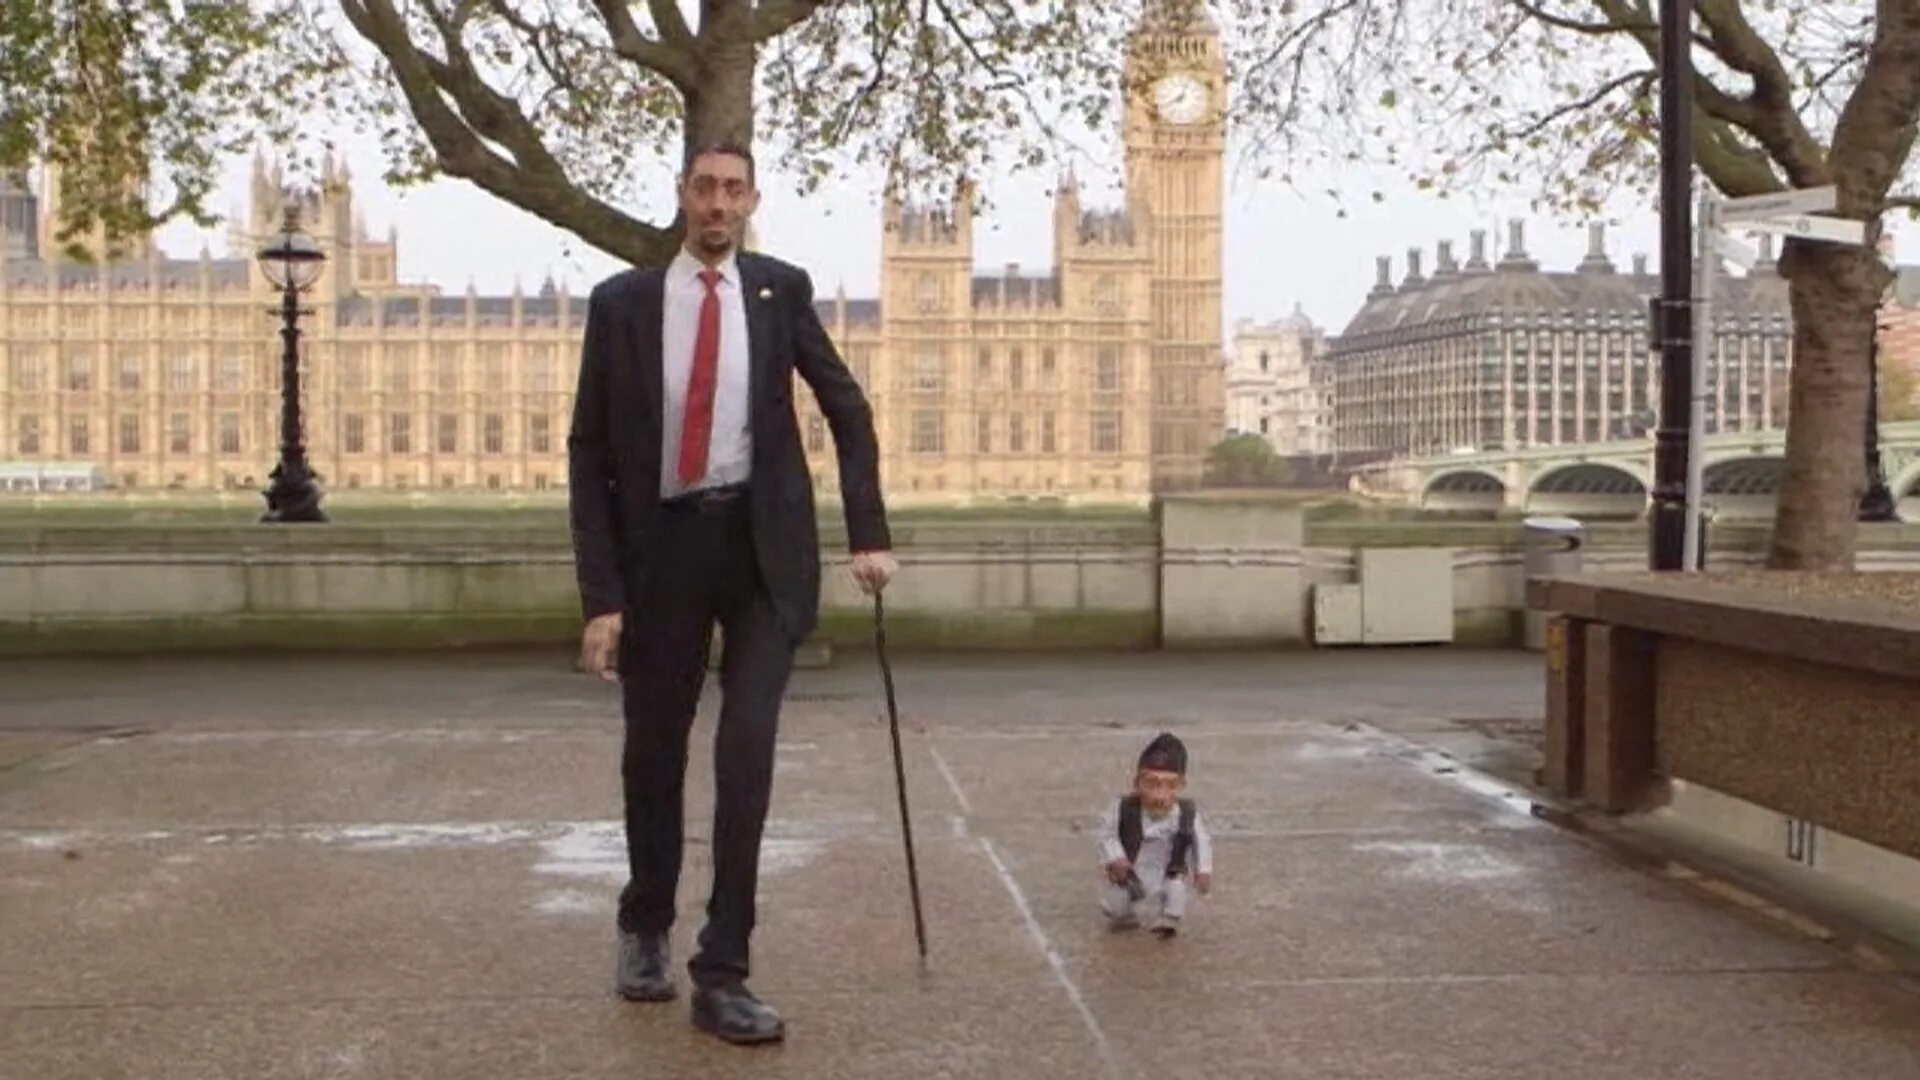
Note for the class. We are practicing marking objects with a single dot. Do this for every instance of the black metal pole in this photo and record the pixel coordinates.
(1674, 321)
(294, 495)
(1878, 503)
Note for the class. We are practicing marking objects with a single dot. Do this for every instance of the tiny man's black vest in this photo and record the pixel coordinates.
(1182, 839)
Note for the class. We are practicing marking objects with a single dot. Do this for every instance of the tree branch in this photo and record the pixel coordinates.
(1001, 80)
(1874, 136)
(489, 112)
(672, 25)
(771, 18)
(882, 49)
(1778, 124)
(1592, 29)
(460, 150)
(1736, 167)
(1645, 77)
(1308, 28)
(676, 62)
(1734, 40)
(536, 36)
(1776, 128)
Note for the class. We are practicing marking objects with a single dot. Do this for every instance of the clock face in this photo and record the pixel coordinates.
(1180, 99)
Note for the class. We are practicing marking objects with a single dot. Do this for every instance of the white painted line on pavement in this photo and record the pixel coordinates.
(953, 783)
(1053, 957)
(430, 734)
(1190, 730)
(1450, 770)
(412, 836)
(1034, 929)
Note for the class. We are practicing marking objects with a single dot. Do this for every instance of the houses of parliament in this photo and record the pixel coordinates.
(1100, 380)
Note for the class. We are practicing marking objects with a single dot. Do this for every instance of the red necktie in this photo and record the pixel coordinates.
(696, 430)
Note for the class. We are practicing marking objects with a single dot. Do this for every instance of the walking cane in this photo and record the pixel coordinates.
(899, 769)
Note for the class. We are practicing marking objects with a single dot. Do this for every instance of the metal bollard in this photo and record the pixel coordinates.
(1554, 547)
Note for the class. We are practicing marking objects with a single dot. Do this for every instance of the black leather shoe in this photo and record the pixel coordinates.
(733, 1014)
(643, 973)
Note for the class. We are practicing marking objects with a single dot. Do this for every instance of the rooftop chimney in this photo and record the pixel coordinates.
(1445, 269)
(1477, 264)
(1596, 261)
(1766, 265)
(1383, 277)
(1640, 265)
(1516, 257)
(1414, 279)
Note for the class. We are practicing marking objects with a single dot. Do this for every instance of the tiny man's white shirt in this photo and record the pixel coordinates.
(730, 449)
(1156, 843)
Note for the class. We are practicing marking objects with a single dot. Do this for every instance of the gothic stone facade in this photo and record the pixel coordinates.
(164, 372)
(1100, 380)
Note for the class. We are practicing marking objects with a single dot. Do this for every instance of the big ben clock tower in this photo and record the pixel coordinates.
(1175, 138)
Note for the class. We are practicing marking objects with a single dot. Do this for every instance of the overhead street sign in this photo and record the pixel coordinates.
(1833, 230)
(1780, 204)
(1734, 251)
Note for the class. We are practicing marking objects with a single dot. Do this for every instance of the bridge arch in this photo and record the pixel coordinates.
(1464, 489)
(1743, 487)
(1593, 489)
(1906, 493)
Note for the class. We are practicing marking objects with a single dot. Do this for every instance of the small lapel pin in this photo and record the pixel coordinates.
(766, 293)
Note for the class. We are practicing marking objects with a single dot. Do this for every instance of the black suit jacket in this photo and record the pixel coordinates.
(614, 448)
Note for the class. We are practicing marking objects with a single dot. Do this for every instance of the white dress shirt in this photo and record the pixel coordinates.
(1156, 843)
(730, 449)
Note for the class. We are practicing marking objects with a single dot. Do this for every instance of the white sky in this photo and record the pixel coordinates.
(1282, 247)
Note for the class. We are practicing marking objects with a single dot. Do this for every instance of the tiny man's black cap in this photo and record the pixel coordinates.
(1165, 753)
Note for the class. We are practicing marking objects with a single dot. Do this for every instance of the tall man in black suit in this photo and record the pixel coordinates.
(692, 504)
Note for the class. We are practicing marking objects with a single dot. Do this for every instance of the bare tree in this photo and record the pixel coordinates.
(1560, 96)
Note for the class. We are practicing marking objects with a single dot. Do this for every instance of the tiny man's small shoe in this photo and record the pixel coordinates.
(643, 973)
(733, 1014)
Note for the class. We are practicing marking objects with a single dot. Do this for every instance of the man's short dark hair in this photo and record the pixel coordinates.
(717, 146)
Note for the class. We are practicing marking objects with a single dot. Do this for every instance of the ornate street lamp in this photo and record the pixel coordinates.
(292, 261)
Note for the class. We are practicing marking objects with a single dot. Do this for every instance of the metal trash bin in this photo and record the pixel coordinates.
(1555, 546)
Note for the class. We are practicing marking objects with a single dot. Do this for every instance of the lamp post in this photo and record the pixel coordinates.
(1673, 311)
(292, 262)
(1878, 503)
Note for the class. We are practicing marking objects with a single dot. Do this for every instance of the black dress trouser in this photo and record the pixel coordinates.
(705, 573)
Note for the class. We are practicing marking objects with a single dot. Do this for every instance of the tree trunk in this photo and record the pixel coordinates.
(1835, 293)
(720, 106)
(718, 110)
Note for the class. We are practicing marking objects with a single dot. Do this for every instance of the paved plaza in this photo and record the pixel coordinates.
(405, 866)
